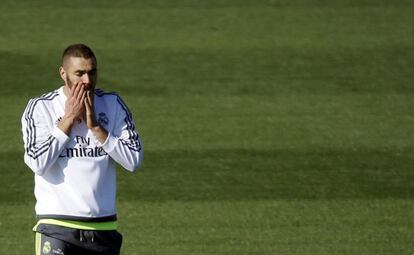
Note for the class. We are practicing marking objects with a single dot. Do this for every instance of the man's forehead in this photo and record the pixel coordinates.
(79, 63)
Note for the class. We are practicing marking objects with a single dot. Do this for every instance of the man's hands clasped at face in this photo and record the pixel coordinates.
(79, 75)
(79, 105)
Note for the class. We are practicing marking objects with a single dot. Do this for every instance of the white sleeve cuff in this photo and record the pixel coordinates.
(59, 135)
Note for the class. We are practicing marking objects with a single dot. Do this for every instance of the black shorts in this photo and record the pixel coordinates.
(58, 240)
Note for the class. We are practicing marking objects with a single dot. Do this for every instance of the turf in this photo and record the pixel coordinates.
(269, 127)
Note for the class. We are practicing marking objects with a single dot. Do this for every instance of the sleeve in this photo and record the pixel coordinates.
(42, 143)
(123, 145)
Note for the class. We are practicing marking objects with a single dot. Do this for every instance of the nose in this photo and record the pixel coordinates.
(86, 79)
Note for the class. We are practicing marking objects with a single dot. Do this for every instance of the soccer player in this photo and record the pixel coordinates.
(73, 136)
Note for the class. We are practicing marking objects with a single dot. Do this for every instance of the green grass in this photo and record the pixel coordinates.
(269, 127)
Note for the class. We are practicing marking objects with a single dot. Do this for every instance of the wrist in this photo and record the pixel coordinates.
(65, 124)
(96, 128)
(100, 133)
(70, 119)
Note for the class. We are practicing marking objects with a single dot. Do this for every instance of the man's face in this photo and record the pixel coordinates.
(78, 69)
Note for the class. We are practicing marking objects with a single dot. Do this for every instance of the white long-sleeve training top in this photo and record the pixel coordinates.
(75, 175)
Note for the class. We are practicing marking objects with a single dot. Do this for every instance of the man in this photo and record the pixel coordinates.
(72, 137)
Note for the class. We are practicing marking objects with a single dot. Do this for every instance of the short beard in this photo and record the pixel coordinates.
(69, 82)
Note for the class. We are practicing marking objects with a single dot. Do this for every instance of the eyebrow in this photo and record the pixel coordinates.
(84, 71)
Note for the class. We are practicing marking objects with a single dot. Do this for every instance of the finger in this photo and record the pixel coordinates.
(87, 107)
(86, 101)
(81, 94)
(90, 98)
(79, 102)
(76, 89)
(80, 88)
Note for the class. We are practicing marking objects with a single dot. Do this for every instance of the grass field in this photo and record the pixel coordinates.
(269, 127)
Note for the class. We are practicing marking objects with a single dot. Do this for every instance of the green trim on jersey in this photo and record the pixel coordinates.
(110, 225)
(38, 241)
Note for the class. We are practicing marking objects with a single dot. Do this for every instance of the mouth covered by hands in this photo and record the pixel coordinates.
(80, 105)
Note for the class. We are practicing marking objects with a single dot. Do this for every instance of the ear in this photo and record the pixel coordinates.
(62, 73)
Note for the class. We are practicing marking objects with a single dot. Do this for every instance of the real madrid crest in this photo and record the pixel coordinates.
(46, 247)
(103, 119)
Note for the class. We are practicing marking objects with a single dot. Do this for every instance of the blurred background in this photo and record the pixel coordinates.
(269, 126)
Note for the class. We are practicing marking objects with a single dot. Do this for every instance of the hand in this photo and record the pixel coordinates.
(89, 116)
(74, 106)
(100, 133)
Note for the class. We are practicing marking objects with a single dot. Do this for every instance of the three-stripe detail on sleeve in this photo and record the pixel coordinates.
(32, 149)
(133, 143)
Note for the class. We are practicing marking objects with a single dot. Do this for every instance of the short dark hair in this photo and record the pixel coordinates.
(78, 50)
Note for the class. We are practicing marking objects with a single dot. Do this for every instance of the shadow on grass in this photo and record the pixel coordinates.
(278, 174)
(246, 175)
